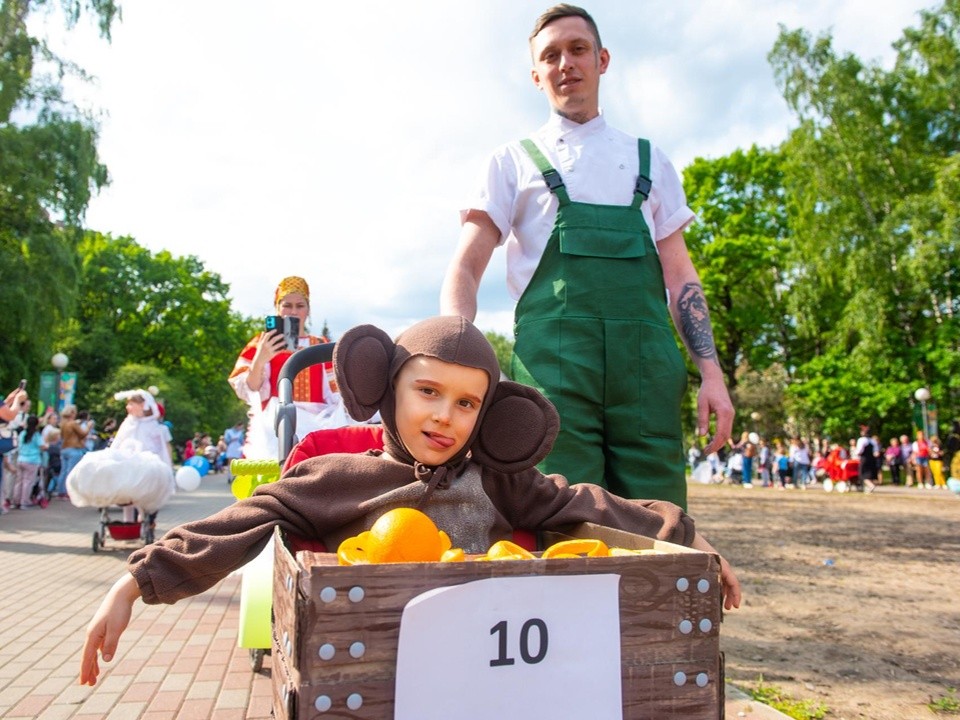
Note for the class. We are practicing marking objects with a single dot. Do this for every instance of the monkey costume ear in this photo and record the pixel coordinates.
(361, 360)
(518, 429)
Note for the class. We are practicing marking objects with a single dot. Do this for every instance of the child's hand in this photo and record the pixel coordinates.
(731, 585)
(109, 622)
(728, 579)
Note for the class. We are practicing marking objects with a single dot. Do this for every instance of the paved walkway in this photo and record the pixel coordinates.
(178, 661)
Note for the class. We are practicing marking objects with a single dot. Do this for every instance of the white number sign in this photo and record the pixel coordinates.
(518, 647)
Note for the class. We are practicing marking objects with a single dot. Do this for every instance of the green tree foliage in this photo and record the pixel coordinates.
(503, 347)
(49, 169)
(738, 247)
(157, 310)
(871, 174)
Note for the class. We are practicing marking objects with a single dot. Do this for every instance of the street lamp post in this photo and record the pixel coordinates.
(59, 362)
(923, 395)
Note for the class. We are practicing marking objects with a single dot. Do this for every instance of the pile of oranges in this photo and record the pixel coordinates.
(407, 535)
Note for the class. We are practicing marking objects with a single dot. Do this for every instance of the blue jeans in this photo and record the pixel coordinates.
(748, 471)
(69, 457)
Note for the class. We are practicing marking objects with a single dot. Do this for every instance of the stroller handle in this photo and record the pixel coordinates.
(286, 422)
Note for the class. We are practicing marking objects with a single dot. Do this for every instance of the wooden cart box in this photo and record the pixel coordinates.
(337, 628)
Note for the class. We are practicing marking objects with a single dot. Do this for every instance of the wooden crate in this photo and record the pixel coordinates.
(336, 629)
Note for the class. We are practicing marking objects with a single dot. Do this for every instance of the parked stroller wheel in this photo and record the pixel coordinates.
(256, 659)
(96, 541)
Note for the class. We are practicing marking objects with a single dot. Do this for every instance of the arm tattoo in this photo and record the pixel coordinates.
(695, 322)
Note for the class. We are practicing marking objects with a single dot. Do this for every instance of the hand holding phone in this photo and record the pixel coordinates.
(288, 327)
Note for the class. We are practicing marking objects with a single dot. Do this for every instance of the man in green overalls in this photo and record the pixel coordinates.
(593, 220)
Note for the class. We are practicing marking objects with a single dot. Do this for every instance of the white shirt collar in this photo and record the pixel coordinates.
(560, 127)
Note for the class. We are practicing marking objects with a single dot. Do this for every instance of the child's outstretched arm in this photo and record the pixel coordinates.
(731, 585)
(106, 627)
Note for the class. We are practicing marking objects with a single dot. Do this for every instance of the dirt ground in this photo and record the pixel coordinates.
(850, 600)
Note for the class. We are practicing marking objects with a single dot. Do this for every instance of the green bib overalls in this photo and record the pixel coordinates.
(593, 333)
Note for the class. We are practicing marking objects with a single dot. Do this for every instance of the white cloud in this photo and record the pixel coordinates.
(338, 141)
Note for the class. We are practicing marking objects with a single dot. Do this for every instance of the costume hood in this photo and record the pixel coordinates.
(148, 400)
(516, 425)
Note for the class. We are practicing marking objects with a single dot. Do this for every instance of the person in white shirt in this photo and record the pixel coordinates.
(593, 223)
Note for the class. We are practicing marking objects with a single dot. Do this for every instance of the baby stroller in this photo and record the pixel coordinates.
(121, 529)
(133, 483)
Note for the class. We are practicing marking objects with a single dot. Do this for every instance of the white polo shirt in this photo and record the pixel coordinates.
(599, 165)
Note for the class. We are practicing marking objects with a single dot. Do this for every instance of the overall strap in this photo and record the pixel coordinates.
(642, 191)
(551, 176)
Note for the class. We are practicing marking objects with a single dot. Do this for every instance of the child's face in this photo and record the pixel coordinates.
(437, 407)
(135, 408)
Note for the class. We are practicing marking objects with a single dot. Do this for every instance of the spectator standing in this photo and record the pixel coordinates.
(868, 454)
(800, 459)
(936, 463)
(90, 425)
(781, 459)
(951, 451)
(73, 439)
(921, 460)
(221, 454)
(235, 437)
(906, 454)
(764, 463)
(29, 462)
(894, 458)
(256, 375)
(880, 457)
(9, 409)
(50, 435)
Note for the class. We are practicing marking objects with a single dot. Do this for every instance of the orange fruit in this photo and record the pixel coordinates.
(506, 550)
(576, 548)
(453, 555)
(399, 535)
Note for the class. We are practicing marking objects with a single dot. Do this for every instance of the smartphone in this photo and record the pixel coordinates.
(289, 327)
(23, 384)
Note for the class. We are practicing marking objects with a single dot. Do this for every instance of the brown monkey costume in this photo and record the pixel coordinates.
(478, 497)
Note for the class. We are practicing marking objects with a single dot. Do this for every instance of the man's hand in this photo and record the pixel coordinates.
(713, 399)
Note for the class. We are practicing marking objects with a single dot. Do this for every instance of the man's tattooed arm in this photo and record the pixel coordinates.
(695, 323)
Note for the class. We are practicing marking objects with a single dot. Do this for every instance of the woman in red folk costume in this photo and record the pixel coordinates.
(257, 370)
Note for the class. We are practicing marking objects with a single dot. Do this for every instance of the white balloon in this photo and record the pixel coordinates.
(754, 438)
(188, 479)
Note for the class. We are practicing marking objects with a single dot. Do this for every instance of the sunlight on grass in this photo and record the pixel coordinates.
(948, 704)
(777, 699)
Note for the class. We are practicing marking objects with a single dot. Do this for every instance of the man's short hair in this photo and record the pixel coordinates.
(561, 11)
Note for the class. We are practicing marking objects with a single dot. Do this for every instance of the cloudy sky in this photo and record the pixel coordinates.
(338, 141)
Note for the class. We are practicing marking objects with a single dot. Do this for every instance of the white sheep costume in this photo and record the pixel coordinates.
(135, 470)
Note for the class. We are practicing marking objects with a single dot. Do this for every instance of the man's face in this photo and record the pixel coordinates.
(437, 407)
(295, 305)
(567, 65)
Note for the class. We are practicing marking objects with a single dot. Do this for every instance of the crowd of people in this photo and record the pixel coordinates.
(859, 464)
(38, 452)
